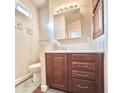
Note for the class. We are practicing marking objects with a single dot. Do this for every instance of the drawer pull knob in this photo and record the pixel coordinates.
(86, 87)
(83, 75)
(86, 66)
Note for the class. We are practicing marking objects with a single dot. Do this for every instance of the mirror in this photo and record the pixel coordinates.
(73, 24)
(70, 25)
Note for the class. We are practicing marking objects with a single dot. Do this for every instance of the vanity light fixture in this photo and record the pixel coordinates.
(66, 8)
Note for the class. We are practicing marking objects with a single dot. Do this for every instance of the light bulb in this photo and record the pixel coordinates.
(76, 5)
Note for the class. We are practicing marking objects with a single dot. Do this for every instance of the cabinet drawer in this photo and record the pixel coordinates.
(83, 66)
(83, 75)
(83, 57)
(83, 86)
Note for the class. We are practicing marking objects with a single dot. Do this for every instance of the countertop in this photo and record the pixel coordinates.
(74, 51)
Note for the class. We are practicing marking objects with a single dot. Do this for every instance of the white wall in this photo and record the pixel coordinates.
(26, 46)
(43, 13)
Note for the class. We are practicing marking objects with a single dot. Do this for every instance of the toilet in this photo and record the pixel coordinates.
(35, 69)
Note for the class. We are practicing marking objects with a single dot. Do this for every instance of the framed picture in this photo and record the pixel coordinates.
(95, 2)
(29, 31)
(18, 25)
(98, 27)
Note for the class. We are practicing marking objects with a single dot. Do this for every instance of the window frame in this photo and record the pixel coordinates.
(22, 8)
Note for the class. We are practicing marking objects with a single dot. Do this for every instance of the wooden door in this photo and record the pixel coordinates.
(57, 71)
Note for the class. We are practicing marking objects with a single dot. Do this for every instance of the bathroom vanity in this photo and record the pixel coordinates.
(75, 72)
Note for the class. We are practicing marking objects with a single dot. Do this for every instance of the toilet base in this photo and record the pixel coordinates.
(44, 88)
(36, 76)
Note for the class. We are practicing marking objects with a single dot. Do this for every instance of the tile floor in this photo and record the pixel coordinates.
(28, 87)
(54, 91)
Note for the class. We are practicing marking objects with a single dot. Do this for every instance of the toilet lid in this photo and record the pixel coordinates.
(35, 65)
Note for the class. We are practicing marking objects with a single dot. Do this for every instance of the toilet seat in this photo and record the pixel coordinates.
(35, 65)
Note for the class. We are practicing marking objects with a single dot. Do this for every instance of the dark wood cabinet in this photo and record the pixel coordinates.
(75, 72)
(83, 86)
(57, 71)
(86, 73)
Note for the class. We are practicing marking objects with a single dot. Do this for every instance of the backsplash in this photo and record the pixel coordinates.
(55, 45)
(48, 45)
(74, 47)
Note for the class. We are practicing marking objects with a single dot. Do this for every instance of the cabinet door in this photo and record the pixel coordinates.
(57, 71)
(86, 76)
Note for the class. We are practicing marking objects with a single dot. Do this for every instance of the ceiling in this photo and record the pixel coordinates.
(39, 3)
